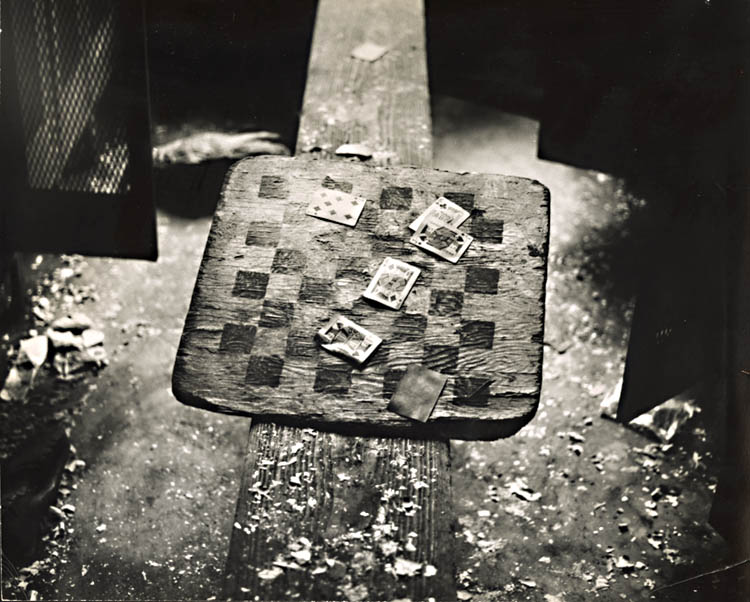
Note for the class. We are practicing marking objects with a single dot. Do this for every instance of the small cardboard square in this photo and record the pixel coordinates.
(392, 282)
(417, 393)
(369, 52)
(336, 206)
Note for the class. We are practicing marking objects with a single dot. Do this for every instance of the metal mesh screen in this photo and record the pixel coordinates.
(66, 56)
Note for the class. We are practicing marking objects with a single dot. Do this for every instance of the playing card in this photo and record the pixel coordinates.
(440, 238)
(392, 282)
(445, 210)
(347, 338)
(336, 206)
(417, 393)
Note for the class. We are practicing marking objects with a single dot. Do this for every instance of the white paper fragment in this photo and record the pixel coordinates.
(405, 567)
(270, 574)
(369, 52)
(354, 150)
(33, 350)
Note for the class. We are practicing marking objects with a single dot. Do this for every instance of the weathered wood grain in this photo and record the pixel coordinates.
(384, 104)
(272, 276)
(362, 502)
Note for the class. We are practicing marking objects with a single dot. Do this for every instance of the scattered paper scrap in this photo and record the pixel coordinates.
(33, 350)
(406, 568)
(354, 150)
(270, 574)
(519, 488)
(369, 51)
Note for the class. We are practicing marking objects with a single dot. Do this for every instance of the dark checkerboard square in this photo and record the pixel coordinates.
(331, 184)
(390, 381)
(487, 230)
(263, 234)
(315, 290)
(395, 197)
(442, 358)
(288, 261)
(481, 280)
(335, 379)
(301, 345)
(273, 187)
(250, 285)
(379, 358)
(463, 387)
(462, 199)
(368, 219)
(264, 370)
(276, 314)
(388, 245)
(408, 328)
(355, 268)
(425, 275)
(236, 338)
(477, 333)
(445, 302)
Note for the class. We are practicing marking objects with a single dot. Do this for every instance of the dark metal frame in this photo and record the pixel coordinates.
(54, 220)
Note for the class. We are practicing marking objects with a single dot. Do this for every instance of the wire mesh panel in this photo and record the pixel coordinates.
(76, 109)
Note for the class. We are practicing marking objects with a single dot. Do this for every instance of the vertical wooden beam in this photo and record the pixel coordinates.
(364, 504)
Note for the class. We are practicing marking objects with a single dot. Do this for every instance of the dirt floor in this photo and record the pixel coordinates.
(574, 507)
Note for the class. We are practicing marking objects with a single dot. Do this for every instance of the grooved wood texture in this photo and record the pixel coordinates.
(272, 276)
(384, 104)
(364, 504)
(353, 499)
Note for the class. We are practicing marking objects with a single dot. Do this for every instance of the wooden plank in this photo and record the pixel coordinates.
(361, 502)
(384, 104)
(363, 505)
(344, 506)
(273, 276)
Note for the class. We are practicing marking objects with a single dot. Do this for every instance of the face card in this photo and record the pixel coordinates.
(336, 206)
(440, 238)
(445, 210)
(392, 282)
(347, 338)
(417, 393)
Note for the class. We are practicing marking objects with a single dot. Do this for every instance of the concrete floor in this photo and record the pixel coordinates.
(155, 502)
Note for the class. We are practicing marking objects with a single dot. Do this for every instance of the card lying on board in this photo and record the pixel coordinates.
(445, 210)
(440, 238)
(336, 206)
(417, 393)
(344, 337)
(392, 282)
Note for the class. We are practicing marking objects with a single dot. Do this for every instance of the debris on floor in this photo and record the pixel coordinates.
(211, 145)
(663, 422)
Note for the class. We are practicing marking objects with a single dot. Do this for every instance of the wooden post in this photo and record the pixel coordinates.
(384, 104)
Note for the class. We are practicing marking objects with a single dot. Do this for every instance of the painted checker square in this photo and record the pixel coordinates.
(271, 277)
